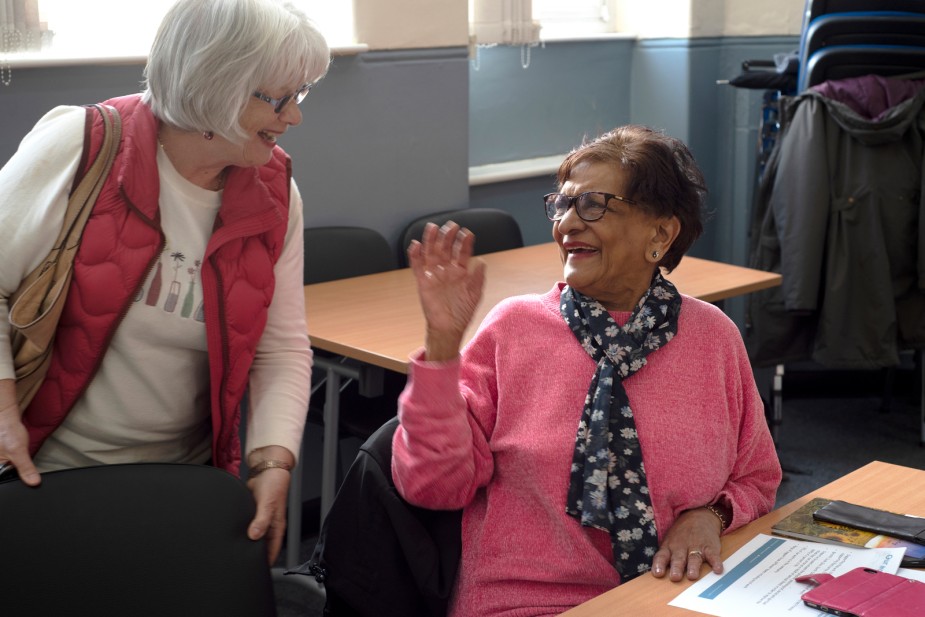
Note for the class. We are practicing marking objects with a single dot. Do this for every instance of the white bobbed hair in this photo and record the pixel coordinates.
(209, 56)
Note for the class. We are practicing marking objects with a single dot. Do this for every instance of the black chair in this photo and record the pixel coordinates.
(863, 33)
(333, 253)
(857, 25)
(495, 230)
(874, 28)
(145, 540)
(410, 555)
(817, 8)
(853, 61)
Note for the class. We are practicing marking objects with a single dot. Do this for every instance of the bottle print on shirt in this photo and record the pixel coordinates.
(156, 282)
(189, 298)
(154, 291)
(171, 302)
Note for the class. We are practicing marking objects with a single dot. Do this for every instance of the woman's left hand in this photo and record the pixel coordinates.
(691, 542)
(270, 489)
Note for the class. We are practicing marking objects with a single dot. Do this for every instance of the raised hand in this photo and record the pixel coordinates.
(449, 285)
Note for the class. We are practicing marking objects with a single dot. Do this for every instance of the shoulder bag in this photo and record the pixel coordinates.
(35, 307)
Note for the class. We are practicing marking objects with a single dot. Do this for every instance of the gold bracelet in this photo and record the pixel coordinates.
(723, 523)
(262, 466)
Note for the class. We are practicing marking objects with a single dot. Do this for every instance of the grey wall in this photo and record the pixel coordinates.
(34, 91)
(571, 90)
(385, 140)
(389, 136)
(568, 91)
(384, 136)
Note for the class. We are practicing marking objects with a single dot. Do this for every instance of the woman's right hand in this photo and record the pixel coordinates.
(449, 286)
(14, 439)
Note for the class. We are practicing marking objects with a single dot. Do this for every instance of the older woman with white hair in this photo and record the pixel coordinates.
(187, 286)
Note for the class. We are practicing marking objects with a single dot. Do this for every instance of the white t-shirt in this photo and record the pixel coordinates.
(149, 401)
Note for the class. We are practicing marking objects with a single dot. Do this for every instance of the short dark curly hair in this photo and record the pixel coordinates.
(661, 177)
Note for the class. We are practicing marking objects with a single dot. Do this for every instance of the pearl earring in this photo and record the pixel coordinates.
(208, 135)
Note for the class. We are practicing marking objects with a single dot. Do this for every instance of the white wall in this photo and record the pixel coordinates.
(411, 24)
(704, 18)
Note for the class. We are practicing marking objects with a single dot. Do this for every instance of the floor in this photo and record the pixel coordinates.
(823, 438)
(833, 423)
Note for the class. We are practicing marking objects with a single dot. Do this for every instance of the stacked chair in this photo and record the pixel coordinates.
(843, 39)
(849, 38)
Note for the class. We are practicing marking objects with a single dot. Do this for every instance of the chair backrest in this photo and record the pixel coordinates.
(860, 30)
(410, 554)
(495, 230)
(852, 61)
(815, 8)
(333, 253)
(145, 540)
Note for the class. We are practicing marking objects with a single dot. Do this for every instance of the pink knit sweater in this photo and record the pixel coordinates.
(494, 433)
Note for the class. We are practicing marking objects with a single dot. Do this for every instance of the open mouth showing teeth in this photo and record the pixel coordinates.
(267, 137)
(583, 250)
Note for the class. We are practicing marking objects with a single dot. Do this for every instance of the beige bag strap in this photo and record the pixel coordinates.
(36, 306)
(23, 310)
(82, 198)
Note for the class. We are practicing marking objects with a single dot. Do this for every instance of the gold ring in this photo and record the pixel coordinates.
(695, 552)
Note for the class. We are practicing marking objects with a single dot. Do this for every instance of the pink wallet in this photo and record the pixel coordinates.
(864, 592)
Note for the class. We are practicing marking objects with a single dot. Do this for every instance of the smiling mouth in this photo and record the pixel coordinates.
(269, 137)
(581, 251)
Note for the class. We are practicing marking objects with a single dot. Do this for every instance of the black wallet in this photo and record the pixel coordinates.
(911, 528)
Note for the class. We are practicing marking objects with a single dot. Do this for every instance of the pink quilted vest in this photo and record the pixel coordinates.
(123, 239)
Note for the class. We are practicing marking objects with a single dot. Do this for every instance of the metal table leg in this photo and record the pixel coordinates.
(921, 353)
(329, 450)
(777, 402)
(335, 370)
(294, 517)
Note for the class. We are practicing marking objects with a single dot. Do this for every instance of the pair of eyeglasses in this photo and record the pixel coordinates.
(279, 104)
(590, 206)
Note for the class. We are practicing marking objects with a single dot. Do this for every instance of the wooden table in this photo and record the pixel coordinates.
(377, 319)
(877, 485)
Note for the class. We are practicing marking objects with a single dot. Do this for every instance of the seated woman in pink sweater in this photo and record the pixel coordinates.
(608, 427)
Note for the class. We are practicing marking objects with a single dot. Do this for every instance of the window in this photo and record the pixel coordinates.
(569, 18)
(97, 28)
(520, 22)
(504, 22)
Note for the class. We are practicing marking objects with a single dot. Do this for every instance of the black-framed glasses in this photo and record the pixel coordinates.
(590, 206)
(279, 104)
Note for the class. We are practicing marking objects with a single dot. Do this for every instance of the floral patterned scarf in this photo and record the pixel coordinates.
(608, 488)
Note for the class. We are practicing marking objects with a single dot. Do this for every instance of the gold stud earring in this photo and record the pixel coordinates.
(654, 254)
